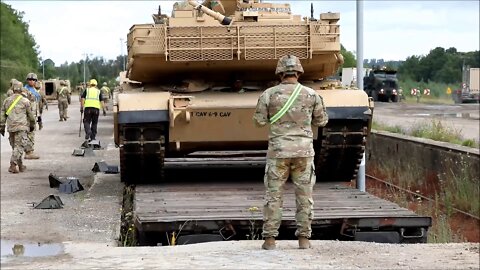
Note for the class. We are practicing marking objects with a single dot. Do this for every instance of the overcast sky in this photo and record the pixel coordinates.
(393, 30)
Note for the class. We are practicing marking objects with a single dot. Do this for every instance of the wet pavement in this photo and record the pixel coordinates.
(464, 118)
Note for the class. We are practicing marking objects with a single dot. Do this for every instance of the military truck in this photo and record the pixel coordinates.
(382, 85)
(50, 87)
(469, 90)
(191, 66)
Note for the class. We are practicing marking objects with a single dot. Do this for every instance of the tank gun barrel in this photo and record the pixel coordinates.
(224, 20)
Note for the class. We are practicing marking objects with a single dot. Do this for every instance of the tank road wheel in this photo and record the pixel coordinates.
(142, 153)
(339, 152)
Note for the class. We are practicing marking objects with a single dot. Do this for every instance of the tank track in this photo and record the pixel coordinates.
(339, 151)
(142, 154)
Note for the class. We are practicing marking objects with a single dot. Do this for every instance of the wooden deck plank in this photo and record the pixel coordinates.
(180, 202)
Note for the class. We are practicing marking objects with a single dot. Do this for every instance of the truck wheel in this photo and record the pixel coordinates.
(375, 96)
(394, 98)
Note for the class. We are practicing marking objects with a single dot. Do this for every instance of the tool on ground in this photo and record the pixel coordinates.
(80, 128)
(50, 202)
(102, 166)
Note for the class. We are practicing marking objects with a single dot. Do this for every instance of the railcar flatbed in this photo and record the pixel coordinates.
(233, 210)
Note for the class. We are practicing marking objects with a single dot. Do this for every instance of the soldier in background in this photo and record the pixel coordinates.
(106, 96)
(17, 115)
(82, 89)
(63, 97)
(34, 97)
(290, 148)
(92, 101)
(42, 104)
(10, 90)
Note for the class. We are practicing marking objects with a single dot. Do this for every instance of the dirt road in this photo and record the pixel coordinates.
(84, 232)
(461, 117)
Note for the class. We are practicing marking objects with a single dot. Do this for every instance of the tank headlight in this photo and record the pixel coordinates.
(381, 91)
(394, 91)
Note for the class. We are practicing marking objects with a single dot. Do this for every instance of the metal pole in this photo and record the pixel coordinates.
(43, 69)
(361, 169)
(360, 44)
(84, 60)
(361, 175)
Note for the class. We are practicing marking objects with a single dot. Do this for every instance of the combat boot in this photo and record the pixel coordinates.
(13, 168)
(303, 242)
(40, 125)
(21, 167)
(269, 243)
(61, 119)
(31, 155)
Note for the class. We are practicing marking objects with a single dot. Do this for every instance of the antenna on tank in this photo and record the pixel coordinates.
(311, 12)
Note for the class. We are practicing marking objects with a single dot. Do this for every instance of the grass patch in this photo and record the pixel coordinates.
(434, 130)
(393, 129)
(128, 234)
(457, 187)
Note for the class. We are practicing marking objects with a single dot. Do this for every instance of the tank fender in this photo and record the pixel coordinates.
(143, 108)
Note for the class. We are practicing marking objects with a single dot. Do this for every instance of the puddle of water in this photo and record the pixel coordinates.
(22, 249)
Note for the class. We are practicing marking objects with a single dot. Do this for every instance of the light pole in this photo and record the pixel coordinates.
(121, 53)
(43, 69)
(85, 55)
(84, 60)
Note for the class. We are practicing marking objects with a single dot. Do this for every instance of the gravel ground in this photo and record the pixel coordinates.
(248, 255)
(87, 227)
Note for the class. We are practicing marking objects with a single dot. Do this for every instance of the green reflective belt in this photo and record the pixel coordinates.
(13, 104)
(287, 105)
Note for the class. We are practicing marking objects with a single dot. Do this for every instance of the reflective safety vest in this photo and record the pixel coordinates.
(92, 98)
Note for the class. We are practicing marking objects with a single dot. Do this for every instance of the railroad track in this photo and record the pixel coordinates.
(419, 195)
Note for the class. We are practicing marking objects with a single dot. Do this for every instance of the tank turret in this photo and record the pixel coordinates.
(201, 71)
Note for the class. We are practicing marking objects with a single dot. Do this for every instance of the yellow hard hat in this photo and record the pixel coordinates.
(93, 82)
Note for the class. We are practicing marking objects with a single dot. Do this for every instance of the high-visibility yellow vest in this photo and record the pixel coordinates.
(92, 98)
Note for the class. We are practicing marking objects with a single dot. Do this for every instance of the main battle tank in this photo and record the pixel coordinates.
(202, 70)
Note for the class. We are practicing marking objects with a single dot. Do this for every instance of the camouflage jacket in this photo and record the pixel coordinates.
(20, 118)
(105, 92)
(33, 100)
(292, 135)
(9, 91)
(63, 93)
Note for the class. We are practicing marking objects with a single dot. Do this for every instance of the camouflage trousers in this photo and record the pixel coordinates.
(106, 102)
(18, 142)
(63, 108)
(30, 146)
(277, 171)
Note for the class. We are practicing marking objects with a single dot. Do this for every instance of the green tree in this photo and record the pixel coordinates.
(348, 57)
(18, 49)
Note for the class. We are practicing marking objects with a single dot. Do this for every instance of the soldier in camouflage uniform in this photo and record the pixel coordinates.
(10, 90)
(106, 94)
(17, 115)
(63, 97)
(34, 97)
(43, 101)
(290, 148)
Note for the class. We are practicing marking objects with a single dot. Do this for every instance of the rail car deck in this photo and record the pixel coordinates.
(228, 209)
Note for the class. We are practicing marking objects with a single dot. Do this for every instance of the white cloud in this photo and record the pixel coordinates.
(393, 30)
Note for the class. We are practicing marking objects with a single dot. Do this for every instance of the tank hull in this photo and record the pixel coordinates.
(153, 126)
